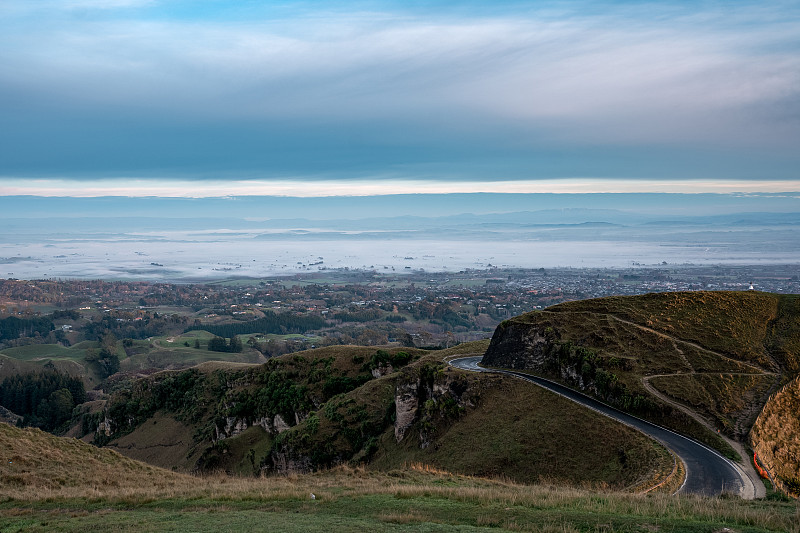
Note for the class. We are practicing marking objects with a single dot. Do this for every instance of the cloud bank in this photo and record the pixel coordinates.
(328, 188)
(99, 88)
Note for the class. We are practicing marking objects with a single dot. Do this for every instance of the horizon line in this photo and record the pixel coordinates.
(202, 188)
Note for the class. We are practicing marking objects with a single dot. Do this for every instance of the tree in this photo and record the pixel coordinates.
(217, 344)
(56, 409)
(235, 345)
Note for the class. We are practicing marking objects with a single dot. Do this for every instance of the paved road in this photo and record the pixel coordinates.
(707, 472)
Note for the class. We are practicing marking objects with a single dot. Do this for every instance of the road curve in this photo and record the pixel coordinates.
(707, 472)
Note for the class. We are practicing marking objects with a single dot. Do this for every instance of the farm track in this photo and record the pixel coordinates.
(752, 408)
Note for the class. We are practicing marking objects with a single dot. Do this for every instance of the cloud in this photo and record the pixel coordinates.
(378, 187)
(620, 75)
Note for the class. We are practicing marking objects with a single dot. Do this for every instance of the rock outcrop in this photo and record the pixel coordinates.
(428, 398)
(8, 417)
(521, 346)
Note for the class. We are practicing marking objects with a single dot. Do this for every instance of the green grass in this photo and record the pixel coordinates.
(400, 501)
(49, 483)
(30, 359)
(41, 351)
(183, 357)
(528, 434)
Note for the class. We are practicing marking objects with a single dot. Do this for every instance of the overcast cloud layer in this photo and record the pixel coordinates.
(211, 90)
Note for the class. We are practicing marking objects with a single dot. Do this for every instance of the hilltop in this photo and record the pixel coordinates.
(701, 363)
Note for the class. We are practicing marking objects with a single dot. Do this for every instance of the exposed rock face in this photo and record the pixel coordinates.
(284, 463)
(382, 370)
(104, 427)
(8, 417)
(234, 425)
(279, 425)
(406, 402)
(527, 346)
(520, 346)
(429, 400)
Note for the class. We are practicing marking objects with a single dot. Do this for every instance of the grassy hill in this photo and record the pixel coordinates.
(35, 463)
(701, 363)
(56, 484)
(383, 409)
(136, 357)
(776, 437)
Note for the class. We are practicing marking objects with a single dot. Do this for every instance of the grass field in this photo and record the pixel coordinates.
(30, 359)
(54, 484)
(35, 352)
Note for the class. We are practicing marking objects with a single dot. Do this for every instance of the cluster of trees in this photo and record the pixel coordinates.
(14, 327)
(439, 313)
(179, 392)
(45, 399)
(382, 357)
(362, 315)
(218, 344)
(71, 314)
(148, 326)
(271, 323)
(106, 357)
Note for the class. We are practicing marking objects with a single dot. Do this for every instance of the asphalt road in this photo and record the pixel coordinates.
(707, 472)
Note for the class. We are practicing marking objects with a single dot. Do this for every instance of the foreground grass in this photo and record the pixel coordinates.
(356, 500)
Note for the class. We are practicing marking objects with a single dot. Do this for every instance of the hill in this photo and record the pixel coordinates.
(701, 363)
(383, 408)
(35, 462)
(776, 437)
(56, 484)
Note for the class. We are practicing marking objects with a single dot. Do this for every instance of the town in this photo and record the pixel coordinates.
(421, 309)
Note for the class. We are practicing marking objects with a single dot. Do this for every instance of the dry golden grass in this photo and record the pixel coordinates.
(776, 436)
(432, 495)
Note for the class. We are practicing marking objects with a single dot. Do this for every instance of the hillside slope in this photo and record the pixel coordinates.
(776, 437)
(35, 461)
(702, 363)
(382, 408)
(51, 483)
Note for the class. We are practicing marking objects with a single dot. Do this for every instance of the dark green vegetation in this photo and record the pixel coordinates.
(382, 408)
(270, 323)
(222, 402)
(716, 354)
(54, 484)
(197, 402)
(218, 344)
(44, 399)
(13, 327)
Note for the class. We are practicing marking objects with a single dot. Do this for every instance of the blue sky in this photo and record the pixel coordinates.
(210, 98)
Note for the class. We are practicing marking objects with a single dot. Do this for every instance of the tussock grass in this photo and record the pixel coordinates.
(349, 498)
(776, 436)
(719, 353)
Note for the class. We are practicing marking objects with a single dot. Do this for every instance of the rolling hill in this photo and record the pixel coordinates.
(384, 409)
(50, 483)
(701, 363)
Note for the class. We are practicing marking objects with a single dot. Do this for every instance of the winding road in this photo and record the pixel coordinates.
(707, 472)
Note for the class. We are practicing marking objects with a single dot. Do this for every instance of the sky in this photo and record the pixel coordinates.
(211, 98)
